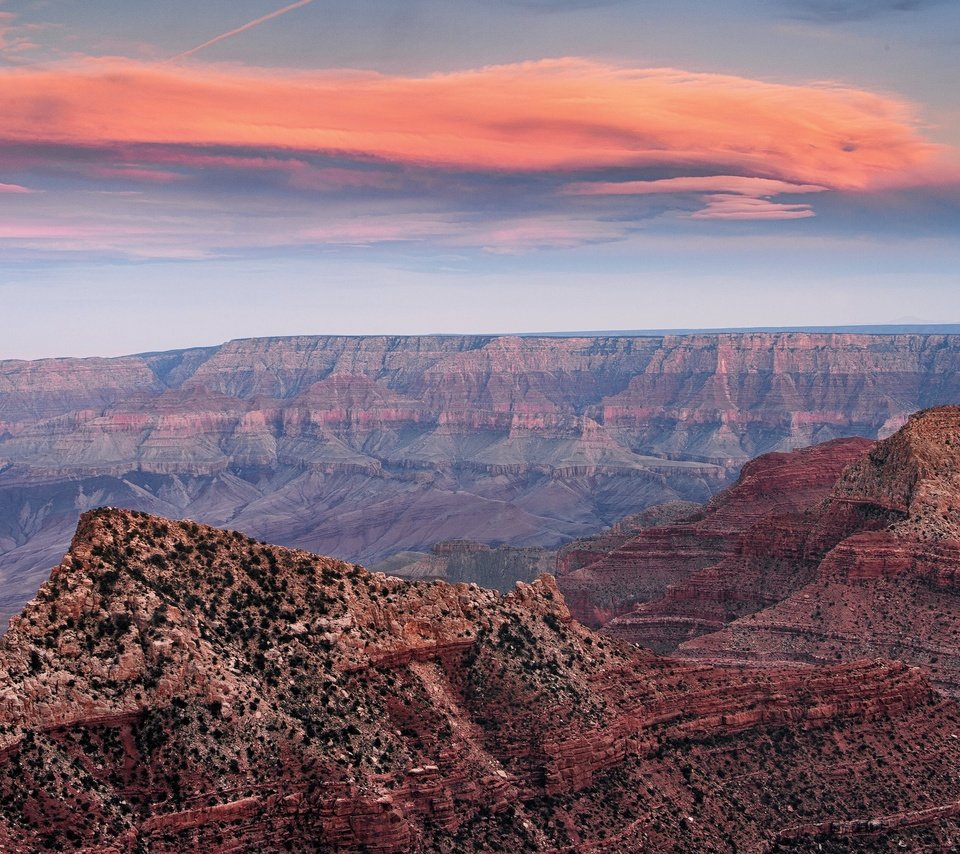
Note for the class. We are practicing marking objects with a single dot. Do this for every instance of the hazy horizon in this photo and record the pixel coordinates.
(849, 329)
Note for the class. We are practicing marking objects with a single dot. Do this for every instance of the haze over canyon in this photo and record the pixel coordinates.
(364, 447)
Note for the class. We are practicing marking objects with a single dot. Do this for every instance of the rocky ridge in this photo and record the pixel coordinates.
(866, 567)
(175, 687)
(662, 567)
(501, 566)
(463, 560)
(365, 447)
(887, 583)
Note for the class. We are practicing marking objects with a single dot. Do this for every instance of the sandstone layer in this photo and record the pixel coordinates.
(364, 447)
(888, 578)
(173, 687)
(737, 553)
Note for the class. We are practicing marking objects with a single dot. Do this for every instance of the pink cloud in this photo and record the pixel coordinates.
(546, 115)
(45, 231)
(729, 206)
(740, 184)
(378, 229)
(13, 38)
(14, 188)
(300, 174)
(501, 236)
(147, 175)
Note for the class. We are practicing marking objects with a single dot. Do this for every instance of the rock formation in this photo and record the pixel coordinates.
(463, 560)
(886, 582)
(364, 447)
(720, 558)
(173, 687)
(501, 567)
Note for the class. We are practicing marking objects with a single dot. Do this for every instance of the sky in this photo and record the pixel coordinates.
(180, 173)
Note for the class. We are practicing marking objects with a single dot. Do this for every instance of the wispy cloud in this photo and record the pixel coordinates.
(856, 10)
(562, 5)
(746, 186)
(15, 38)
(499, 235)
(724, 196)
(730, 206)
(241, 29)
(223, 159)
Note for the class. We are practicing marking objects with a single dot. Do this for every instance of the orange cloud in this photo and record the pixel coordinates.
(546, 115)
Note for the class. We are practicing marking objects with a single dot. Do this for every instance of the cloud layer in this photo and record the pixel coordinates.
(185, 160)
(547, 115)
(855, 10)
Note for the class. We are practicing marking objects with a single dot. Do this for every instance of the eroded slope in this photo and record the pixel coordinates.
(887, 583)
(174, 687)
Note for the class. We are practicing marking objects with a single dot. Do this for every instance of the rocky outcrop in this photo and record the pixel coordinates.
(174, 687)
(743, 550)
(501, 567)
(886, 582)
(584, 551)
(868, 568)
(365, 447)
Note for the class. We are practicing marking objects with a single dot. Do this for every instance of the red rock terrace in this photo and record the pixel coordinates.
(174, 687)
(841, 551)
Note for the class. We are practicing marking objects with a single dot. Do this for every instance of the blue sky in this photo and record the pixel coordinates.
(472, 166)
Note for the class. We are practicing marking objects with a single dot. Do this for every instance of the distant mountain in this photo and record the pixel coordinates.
(177, 688)
(365, 447)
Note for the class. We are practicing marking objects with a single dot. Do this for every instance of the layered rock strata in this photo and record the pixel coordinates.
(174, 687)
(737, 554)
(887, 582)
(364, 447)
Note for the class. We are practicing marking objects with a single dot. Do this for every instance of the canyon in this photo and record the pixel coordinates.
(368, 447)
(177, 687)
(630, 576)
(844, 550)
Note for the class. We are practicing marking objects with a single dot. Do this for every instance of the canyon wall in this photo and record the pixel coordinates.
(743, 549)
(887, 571)
(173, 687)
(365, 447)
(845, 550)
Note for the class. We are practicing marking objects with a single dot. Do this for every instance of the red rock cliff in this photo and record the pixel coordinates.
(744, 549)
(174, 687)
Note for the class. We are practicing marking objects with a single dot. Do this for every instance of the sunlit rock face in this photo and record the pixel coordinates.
(365, 447)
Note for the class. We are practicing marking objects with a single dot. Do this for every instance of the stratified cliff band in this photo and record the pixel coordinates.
(845, 550)
(364, 447)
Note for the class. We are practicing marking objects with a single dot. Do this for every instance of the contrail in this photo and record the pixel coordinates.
(241, 29)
